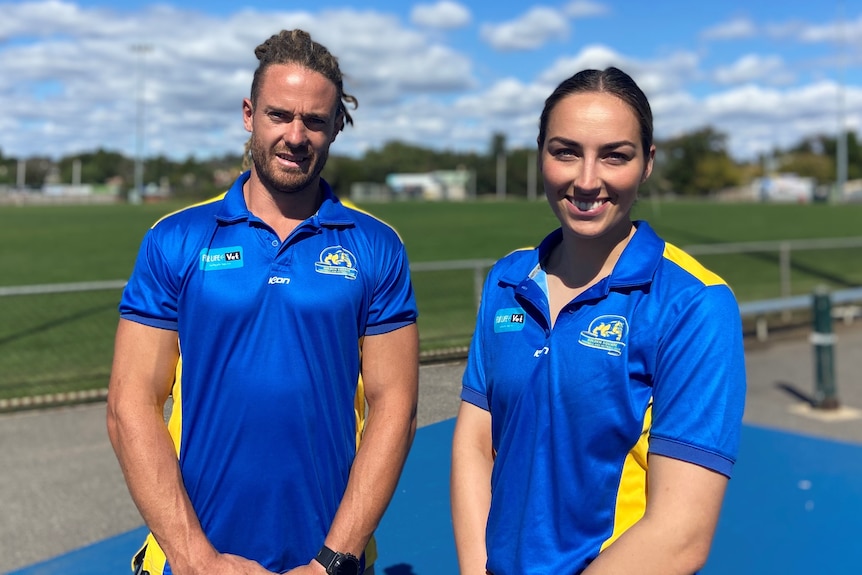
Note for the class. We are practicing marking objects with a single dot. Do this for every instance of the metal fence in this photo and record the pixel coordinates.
(56, 341)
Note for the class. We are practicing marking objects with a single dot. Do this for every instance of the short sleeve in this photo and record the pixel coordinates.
(150, 296)
(393, 303)
(699, 386)
(474, 389)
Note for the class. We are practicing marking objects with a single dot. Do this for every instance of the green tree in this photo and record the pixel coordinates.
(829, 145)
(810, 165)
(698, 163)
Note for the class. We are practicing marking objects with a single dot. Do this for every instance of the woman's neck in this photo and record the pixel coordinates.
(581, 262)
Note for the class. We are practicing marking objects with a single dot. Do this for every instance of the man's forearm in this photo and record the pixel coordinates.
(373, 477)
(149, 464)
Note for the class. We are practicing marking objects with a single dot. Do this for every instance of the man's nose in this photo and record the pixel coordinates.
(295, 133)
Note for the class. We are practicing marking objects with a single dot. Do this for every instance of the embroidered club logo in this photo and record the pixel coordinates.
(509, 319)
(608, 333)
(337, 261)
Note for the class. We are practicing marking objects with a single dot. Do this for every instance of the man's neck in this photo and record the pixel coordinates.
(282, 211)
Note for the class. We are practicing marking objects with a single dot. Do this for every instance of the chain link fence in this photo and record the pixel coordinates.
(56, 341)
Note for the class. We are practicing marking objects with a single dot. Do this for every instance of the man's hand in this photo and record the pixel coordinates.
(313, 568)
(226, 564)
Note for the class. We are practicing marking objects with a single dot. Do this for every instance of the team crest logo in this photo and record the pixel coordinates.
(337, 261)
(608, 333)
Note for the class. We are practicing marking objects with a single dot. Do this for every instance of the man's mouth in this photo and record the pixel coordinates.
(291, 157)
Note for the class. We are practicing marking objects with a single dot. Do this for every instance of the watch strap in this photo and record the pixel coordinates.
(327, 558)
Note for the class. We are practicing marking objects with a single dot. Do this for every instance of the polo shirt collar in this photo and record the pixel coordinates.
(637, 264)
(234, 209)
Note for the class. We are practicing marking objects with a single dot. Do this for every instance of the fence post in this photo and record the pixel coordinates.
(823, 341)
(478, 284)
(784, 271)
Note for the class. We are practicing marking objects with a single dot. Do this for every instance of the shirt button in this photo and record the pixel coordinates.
(275, 243)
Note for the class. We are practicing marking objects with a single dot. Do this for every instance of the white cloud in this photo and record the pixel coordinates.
(731, 30)
(533, 29)
(443, 15)
(754, 67)
(68, 76)
(655, 77)
(78, 82)
(585, 9)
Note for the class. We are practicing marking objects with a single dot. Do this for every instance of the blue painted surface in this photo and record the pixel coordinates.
(794, 507)
(415, 536)
(109, 557)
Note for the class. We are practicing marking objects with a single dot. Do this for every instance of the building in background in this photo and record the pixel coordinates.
(439, 185)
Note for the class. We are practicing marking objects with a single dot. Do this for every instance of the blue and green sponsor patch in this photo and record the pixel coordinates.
(221, 258)
(509, 319)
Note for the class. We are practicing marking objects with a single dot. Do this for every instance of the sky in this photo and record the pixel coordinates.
(168, 78)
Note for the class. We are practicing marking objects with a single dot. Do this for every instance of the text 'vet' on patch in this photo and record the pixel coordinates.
(509, 319)
(221, 258)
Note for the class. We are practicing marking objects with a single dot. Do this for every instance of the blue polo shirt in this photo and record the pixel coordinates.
(269, 333)
(648, 360)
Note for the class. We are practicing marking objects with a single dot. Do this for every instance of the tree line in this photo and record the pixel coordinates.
(695, 164)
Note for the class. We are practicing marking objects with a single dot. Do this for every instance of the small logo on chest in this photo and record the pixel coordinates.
(608, 333)
(220, 258)
(337, 261)
(509, 319)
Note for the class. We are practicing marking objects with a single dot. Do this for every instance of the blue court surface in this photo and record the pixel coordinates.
(793, 507)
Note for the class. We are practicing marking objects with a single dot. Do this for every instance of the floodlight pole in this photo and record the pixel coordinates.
(501, 175)
(841, 140)
(140, 87)
(531, 175)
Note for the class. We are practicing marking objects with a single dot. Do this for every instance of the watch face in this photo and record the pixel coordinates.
(345, 566)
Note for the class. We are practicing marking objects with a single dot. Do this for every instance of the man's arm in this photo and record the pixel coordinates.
(390, 373)
(470, 486)
(145, 360)
(675, 534)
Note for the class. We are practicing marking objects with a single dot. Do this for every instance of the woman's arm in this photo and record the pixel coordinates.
(470, 486)
(676, 531)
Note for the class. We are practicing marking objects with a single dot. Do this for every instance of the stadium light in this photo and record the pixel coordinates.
(140, 86)
(841, 140)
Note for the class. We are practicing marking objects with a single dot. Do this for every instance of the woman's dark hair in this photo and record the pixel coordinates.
(297, 47)
(610, 81)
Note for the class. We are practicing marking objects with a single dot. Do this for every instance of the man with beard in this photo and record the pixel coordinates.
(272, 316)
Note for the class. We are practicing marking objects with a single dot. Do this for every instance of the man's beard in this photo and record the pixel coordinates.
(288, 181)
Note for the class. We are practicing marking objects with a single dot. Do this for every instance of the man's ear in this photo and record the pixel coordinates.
(247, 114)
(338, 126)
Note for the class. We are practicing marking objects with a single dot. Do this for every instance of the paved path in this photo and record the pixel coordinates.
(61, 488)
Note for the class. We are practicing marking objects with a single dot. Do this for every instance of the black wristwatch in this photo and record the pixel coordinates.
(337, 563)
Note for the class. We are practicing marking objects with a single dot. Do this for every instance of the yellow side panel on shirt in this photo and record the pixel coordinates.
(631, 498)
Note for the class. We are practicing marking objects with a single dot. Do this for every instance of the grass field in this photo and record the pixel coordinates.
(61, 342)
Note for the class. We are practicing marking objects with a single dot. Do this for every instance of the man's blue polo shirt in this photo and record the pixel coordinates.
(270, 335)
(648, 360)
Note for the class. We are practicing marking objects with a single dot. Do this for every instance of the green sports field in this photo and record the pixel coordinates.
(61, 342)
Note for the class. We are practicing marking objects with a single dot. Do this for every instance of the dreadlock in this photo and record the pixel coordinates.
(297, 47)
